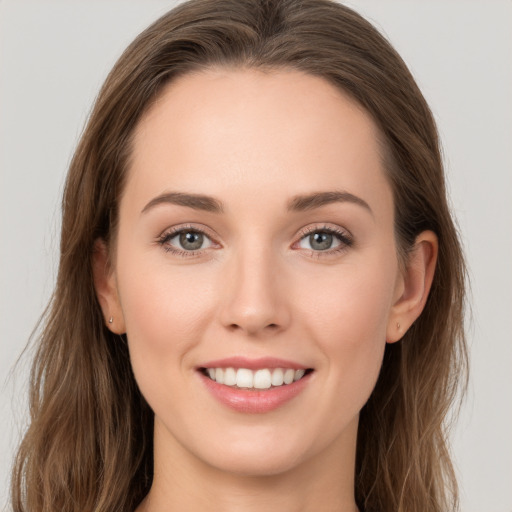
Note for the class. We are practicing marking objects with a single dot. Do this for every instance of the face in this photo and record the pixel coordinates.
(256, 246)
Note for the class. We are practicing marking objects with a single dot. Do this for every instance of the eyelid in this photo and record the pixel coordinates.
(178, 228)
(173, 231)
(344, 236)
(324, 226)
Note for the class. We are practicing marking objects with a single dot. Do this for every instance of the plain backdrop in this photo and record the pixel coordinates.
(54, 56)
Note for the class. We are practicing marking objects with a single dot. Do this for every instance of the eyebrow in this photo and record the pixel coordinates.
(297, 203)
(318, 199)
(195, 201)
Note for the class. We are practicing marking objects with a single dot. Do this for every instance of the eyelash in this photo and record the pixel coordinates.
(166, 236)
(345, 239)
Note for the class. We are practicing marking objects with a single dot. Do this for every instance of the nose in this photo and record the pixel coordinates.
(254, 295)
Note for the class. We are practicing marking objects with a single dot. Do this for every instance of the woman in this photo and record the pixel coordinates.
(260, 294)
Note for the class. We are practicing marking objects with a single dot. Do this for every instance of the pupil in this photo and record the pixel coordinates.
(191, 241)
(320, 241)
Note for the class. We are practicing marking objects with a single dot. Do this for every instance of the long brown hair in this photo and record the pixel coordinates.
(89, 444)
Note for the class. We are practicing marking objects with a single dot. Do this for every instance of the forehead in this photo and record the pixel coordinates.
(255, 131)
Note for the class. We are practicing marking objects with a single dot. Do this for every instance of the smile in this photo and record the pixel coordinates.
(264, 378)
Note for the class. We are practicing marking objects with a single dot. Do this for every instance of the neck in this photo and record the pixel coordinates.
(184, 482)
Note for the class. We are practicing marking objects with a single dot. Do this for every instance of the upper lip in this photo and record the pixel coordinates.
(252, 364)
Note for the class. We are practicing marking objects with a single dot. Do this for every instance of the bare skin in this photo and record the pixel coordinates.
(258, 269)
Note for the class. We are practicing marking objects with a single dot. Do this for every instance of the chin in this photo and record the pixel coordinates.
(267, 453)
(261, 465)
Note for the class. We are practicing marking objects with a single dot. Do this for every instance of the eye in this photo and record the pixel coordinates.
(325, 240)
(185, 240)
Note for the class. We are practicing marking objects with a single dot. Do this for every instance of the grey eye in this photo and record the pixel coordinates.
(319, 241)
(190, 240)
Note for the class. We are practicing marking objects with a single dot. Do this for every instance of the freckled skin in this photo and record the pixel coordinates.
(253, 140)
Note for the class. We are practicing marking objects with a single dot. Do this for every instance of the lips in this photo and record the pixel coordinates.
(254, 385)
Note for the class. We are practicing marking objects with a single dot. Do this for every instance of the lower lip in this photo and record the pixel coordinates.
(255, 401)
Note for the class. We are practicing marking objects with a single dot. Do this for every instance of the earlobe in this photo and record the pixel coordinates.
(415, 283)
(106, 288)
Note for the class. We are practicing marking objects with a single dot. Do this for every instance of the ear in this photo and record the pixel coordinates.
(413, 286)
(106, 288)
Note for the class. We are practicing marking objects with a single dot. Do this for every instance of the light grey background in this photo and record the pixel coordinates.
(54, 56)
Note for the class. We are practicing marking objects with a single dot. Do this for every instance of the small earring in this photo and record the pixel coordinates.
(397, 325)
(110, 320)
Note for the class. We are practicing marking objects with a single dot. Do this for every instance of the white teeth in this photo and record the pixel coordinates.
(244, 378)
(259, 379)
(277, 377)
(262, 379)
(288, 376)
(219, 375)
(230, 377)
(298, 375)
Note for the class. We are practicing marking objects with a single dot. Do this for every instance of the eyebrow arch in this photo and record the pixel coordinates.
(195, 201)
(318, 199)
(297, 203)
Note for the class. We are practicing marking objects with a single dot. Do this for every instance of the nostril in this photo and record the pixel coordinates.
(235, 326)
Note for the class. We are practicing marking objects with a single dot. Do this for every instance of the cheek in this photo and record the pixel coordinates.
(350, 305)
(165, 312)
(348, 321)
